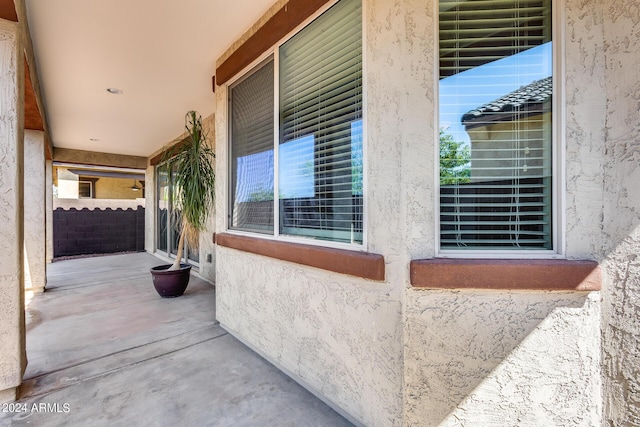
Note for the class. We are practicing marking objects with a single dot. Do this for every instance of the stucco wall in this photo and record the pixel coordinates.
(49, 209)
(602, 142)
(66, 183)
(515, 358)
(338, 335)
(466, 357)
(34, 211)
(502, 359)
(621, 213)
(117, 188)
(103, 187)
(12, 329)
(603, 158)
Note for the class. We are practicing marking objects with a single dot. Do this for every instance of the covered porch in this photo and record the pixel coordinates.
(105, 349)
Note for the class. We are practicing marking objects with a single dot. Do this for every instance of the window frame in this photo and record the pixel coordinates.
(91, 188)
(170, 230)
(263, 60)
(273, 54)
(558, 125)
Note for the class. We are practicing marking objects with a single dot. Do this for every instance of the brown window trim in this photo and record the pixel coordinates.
(506, 274)
(292, 14)
(359, 264)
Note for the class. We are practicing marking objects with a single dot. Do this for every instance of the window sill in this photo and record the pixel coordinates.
(359, 264)
(513, 274)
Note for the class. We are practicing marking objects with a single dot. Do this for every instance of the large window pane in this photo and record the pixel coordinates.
(495, 124)
(320, 144)
(162, 213)
(252, 144)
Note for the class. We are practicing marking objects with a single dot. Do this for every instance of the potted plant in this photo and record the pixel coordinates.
(193, 161)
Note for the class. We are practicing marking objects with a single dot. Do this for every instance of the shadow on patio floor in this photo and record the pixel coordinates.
(105, 350)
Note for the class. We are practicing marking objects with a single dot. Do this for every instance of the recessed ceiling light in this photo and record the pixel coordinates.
(114, 90)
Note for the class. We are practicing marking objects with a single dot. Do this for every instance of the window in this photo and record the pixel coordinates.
(252, 125)
(85, 189)
(314, 157)
(495, 109)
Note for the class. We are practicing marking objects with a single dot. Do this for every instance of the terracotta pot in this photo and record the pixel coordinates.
(170, 284)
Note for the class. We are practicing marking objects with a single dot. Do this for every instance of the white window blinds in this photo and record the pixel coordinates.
(320, 146)
(252, 116)
(495, 124)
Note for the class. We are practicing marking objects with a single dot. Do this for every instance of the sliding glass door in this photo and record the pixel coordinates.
(166, 230)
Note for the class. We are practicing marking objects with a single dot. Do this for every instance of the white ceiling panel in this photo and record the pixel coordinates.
(161, 54)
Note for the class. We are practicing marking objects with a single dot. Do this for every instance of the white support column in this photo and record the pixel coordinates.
(34, 212)
(12, 325)
(48, 208)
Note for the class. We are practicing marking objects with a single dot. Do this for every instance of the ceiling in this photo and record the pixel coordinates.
(160, 53)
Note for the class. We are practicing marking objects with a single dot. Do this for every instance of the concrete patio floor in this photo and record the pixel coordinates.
(105, 350)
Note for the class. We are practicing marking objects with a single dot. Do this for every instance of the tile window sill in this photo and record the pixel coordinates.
(359, 264)
(512, 274)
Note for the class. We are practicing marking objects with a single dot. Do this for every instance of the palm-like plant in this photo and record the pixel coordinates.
(193, 161)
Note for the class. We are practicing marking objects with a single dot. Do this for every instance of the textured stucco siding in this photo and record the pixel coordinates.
(208, 251)
(34, 211)
(389, 354)
(117, 188)
(621, 214)
(603, 196)
(49, 209)
(399, 132)
(502, 359)
(12, 330)
(499, 358)
(339, 336)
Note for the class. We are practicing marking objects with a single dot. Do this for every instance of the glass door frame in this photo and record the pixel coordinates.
(166, 236)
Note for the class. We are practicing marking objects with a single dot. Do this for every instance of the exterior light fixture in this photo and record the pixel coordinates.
(114, 91)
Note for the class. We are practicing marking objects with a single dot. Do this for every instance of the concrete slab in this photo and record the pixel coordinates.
(105, 350)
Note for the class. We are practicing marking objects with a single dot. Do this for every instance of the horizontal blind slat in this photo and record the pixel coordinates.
(501, 197)
(321, 99)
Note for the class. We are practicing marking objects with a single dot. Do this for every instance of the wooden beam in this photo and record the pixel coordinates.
(292, 14)
(48, 153)
(81, 157)
(8, 10)
(32, 117)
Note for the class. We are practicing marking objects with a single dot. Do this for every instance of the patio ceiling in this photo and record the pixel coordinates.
(161, 54)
